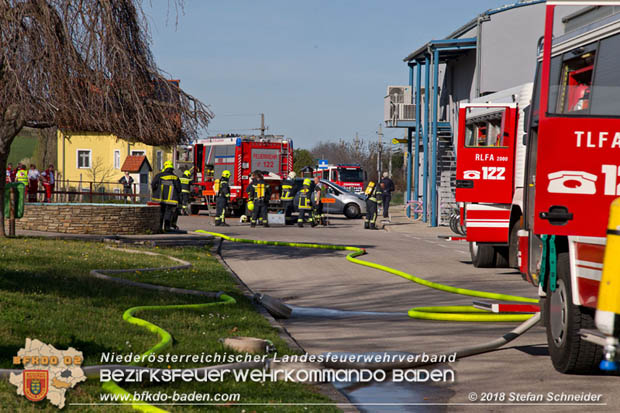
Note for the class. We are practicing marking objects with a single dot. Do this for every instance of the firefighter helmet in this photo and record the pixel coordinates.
(307, 182)
(292, 175)
(187, 173)
(225, 174)
(250, 206)
(168, 164)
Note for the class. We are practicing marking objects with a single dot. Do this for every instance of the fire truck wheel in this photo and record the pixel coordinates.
(513, 246)
(351, 211)
(501, 257)
(569, 353)
(482, 256)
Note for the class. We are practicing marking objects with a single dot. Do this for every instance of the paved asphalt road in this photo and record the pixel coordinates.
(324, 279)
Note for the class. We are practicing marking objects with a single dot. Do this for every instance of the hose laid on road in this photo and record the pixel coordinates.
(441, 313)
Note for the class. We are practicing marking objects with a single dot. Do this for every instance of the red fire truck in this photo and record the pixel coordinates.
(489, 174)
(350, 176)
(572, 176)
(241, 155)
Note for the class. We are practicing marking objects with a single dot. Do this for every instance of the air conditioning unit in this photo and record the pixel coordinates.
(406, 112)
(399, 94)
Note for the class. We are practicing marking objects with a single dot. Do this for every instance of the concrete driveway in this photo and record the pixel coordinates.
(324, 279)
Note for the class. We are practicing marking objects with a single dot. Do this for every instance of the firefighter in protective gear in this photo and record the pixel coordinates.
(317, 209)
(259, 193)
(373, 199)
(288, 195)
(186, 182)
(222, 195)
(305, 202)
(166, 189)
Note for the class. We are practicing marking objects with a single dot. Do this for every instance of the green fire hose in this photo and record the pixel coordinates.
(441, 313)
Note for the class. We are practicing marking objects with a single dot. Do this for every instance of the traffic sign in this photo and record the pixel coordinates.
(322, 163)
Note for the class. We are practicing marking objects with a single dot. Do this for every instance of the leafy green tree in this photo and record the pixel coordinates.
(301, 159)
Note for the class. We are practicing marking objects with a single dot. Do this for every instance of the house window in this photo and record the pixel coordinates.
(138, 153)
(117, 159)
(83, 158)
(159, 162)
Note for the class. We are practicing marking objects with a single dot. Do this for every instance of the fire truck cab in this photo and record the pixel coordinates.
(489, 174)
(572, 176)
(241, 155)
(349, 176)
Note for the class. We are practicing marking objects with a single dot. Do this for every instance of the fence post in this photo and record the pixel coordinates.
(91, 192)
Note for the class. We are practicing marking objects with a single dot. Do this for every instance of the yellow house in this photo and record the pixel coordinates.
(85, 157)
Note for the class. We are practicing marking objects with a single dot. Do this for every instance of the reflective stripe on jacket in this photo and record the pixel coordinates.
(185, 184)
(305, 199)
(287, 190)
(166, 187)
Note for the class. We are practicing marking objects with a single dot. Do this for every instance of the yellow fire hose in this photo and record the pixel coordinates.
(165, 341)
(441, 313)
(444, 313)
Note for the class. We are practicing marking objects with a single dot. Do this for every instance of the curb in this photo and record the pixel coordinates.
(326, 389)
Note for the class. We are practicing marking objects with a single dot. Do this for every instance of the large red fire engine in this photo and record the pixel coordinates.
(350, 176)
(489, 174)
(241, 155)
(572, 176)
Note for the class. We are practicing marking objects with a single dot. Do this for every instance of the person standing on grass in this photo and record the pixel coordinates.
(387, 186)
(33, 183)
(48, 182)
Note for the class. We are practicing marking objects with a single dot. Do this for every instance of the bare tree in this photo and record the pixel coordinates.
(99, 174)
(363, 152)
(87, 66)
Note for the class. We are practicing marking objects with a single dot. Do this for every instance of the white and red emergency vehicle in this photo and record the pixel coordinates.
(572, 176)
(489, 174)
(241, 155)
(349, 176)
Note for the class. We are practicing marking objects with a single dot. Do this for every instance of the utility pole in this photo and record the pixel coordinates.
(390, 160)
(262, 125)
(380, 152)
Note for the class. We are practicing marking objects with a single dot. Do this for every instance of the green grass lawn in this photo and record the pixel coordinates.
(45, 293)
(398, 198)
(21, 148)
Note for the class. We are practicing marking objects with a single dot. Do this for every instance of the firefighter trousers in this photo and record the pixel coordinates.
(288, 210)
(317, 214)
(302, 217)
(220, 210)
(259, 215)
(371, 214)
(167, 216)
(185, 202)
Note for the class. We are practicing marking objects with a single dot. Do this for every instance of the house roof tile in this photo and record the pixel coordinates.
(133, 163)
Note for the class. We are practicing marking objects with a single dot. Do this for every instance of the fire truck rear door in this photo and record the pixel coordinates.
(485, 156)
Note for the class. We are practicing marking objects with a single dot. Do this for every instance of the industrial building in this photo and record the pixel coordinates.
(494, 51)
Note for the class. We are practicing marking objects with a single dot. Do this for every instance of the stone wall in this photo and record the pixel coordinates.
(99, 219)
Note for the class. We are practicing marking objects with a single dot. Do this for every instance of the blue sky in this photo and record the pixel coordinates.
(317, 69)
